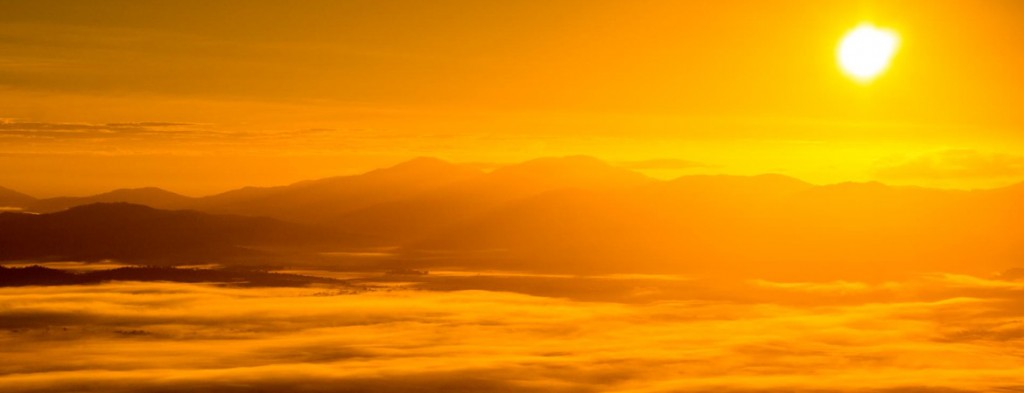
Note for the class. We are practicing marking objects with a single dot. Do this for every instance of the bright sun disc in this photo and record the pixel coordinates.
(866, 51)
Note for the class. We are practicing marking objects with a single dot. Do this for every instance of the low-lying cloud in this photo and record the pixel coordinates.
(954, 164)
(935, 333)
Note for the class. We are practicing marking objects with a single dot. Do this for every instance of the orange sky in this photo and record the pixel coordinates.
(202, 96)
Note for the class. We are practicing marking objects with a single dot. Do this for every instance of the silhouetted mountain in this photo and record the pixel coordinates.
(307, 201)
(428, 212)
(567, 230)
(149, 196)
(38, 275)
(573, 214)
(11, 198)
(757, 226)
(656, 226)
(420, 185)
(135, 233)
(312, 201)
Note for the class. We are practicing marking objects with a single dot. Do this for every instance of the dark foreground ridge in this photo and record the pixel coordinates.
(142, 235)
(39, 275)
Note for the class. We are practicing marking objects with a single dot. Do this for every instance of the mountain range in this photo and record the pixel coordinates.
(570, 214)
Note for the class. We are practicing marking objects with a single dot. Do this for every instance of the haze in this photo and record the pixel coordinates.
(520, 196)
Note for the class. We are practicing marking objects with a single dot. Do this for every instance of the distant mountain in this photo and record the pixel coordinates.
(570, 214)
(419, 183)
(135, 233)
(647, 207)
(307, 201)
(313, 201)
(660, 226)
(419, 216)
(150, 196)
(14, 199)
(566, 230)
(764, 226)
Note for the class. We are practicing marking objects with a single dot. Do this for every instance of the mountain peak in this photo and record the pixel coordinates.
(108, 211)
(149, 196)
(142, 191)
(110, 207)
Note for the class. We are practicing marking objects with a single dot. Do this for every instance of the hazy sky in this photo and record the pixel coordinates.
(201, 96)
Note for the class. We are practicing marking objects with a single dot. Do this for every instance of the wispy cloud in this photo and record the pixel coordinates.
(34, 130)
(175, 138)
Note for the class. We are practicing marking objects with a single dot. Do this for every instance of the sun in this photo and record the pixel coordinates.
(866, 51)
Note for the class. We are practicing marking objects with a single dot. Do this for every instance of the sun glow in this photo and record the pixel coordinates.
(866, 51)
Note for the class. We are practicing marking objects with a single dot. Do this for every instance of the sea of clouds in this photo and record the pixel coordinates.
(940, 333)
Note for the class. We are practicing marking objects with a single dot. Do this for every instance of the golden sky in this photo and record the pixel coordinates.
(202, 96)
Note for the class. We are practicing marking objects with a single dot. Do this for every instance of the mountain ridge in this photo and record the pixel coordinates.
(134, 233)
(571, 214)
(149, 196)
(13, 199)
(544, 173)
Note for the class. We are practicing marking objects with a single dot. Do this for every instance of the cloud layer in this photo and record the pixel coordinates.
(938, 333)
(954, 164)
